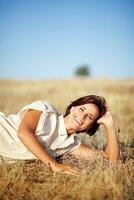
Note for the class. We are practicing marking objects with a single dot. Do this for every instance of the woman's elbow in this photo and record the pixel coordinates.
(20, 134)
(114, 157)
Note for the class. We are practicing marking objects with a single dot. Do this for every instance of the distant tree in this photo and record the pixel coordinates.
(82, 70)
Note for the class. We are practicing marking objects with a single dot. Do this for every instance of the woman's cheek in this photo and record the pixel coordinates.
(89, 124)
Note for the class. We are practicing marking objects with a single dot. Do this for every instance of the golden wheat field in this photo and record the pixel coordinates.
(99, 180)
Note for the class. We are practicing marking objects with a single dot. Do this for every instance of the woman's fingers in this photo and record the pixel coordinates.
(72, 172)
(68, 169)
(106, 118)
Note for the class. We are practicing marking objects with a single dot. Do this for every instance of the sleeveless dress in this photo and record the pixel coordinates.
(50, 131)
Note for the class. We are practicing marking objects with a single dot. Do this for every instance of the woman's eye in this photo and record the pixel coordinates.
(90, 117)
(82, 109)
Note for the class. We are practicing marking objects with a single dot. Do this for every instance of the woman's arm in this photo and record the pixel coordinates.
(26, 135)
(111, 151)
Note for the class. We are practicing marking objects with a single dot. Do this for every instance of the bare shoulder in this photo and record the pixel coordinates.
(30, 120)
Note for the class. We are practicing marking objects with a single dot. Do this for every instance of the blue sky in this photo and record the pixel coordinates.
(50, 38)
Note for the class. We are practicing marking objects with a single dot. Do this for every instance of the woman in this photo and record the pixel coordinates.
(39, 131)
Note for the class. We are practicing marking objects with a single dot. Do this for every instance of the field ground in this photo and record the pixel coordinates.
(99, 180)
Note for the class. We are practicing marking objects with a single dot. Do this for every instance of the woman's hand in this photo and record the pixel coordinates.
(106, 119)
(65, 168)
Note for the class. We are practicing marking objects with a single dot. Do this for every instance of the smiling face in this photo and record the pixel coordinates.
(82, 117)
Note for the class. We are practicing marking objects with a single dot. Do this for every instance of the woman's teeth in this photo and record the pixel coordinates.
(78, 121)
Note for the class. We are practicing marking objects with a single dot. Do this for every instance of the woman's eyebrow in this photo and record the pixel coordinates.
(88, 113)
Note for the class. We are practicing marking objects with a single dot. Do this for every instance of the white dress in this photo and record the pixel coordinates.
(50, 131)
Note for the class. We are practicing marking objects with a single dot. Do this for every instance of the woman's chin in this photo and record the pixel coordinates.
(77, 126)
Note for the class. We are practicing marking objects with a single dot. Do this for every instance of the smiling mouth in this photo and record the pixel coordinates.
(77, 120)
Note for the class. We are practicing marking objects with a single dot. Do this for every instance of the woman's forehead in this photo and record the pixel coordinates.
(90, 107)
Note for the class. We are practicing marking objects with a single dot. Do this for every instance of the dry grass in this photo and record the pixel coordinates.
(99, 180)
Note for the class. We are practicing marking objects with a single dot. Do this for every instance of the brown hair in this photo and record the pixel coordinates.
(99, 101)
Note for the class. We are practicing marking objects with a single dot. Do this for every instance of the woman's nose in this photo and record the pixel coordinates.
(82, 116)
